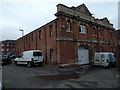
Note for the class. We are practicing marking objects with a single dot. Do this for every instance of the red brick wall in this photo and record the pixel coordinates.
(65, 51)
(69, 49)
(10, 48)
(42, 41)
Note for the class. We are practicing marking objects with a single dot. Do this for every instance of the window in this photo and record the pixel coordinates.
(68, 26)
(40, 34)
(102, 56)
(95, 49)
(83, 29)
(7, 44)
(100, 32)
(32, 38)
(2, 49)
(94, 31)
(51, 54)
(37, 53)
(111, 34)
(13, 49)
(26, 40)
(111, 57)
(7, 49)
(51, 31)
(22, 40)
(2, 45)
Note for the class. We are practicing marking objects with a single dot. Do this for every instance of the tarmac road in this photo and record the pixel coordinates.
(50, 76)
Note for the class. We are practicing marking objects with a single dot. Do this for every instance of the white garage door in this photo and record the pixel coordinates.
(83, 55)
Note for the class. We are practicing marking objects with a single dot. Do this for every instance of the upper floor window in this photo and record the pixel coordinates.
(111, 34)
(83, 29)
(51, 30)
(68, 26)
(2, 50)
(7, 49)
(2, 45)
(26, 40)
(32, 38)
(7, 44)
(40, 34)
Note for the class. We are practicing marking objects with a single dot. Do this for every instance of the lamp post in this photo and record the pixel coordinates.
(22, 32)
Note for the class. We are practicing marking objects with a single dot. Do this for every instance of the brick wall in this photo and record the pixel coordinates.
(61, 46)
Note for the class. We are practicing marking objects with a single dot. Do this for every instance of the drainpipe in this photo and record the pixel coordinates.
(56, 41)
(45, 46)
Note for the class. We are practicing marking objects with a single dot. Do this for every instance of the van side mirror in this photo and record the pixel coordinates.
(18, 56)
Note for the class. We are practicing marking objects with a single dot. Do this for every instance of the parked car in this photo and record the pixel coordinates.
(4, 60)
(11, 55)
(104, 59)
(30, 58)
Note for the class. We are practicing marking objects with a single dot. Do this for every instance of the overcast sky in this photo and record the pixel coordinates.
(30, 15)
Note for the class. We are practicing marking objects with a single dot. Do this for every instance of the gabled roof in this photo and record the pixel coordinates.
(83, 9)
(105, 20)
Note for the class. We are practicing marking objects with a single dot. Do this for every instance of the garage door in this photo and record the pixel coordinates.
(83, 55)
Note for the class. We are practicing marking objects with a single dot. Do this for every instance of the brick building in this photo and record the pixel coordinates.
(72, 37)
(7, 46)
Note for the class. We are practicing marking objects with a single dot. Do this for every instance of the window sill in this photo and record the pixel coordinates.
(69, 31)
(97, 36)
(83, 33)
(51, 35)
(94, 35)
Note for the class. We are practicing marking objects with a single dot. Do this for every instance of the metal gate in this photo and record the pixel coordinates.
(83, 55)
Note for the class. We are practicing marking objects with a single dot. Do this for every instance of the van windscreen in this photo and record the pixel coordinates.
(111, 57)
(37, 53)
(102, 56)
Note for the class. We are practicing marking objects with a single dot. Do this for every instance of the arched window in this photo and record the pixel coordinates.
(68, 26)
(40, 34)
(51, 54)
(51, 30)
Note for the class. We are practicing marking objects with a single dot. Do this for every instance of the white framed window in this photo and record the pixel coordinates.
(2, 49)
(7, 44)
(7, 49)
(68, 26)
(13, 50)
(83, 29)
(51, 30)
(40, 34)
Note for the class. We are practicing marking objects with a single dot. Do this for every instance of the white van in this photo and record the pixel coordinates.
(30, 58)
(104, 59)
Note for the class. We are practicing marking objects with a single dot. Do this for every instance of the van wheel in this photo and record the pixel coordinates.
(110, 65)
(29, 64)
(16, 63)
(40, 64)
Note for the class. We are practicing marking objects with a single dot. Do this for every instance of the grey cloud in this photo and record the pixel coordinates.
(29, 16)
